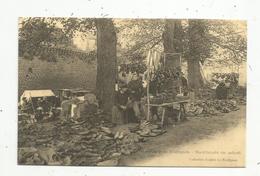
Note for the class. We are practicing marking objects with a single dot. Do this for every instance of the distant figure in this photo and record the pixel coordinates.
(39, 109)
(221, 91)
(184, 83)
(233, 86)
(30, 70)
(26, 106)
(67, 108)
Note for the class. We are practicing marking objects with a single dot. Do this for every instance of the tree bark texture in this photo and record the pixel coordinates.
(171, 43)
(106, 63)
(194, 75)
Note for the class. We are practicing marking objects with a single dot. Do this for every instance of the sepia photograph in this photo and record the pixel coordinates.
(131, 92)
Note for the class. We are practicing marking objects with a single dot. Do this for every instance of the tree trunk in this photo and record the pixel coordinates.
(168, 43)
(106, 63)
(194, 75)
(171, 43)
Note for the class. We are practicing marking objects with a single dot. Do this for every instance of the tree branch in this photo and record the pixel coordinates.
(225, 46)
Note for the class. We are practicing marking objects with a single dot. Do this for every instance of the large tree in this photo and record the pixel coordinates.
(168, 39)
(213, 42)
(172, 40)
(106, 62)
(198, 50)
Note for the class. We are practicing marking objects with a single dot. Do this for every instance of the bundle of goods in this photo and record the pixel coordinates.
(211, 107)
(83, 142)
(133, 67)
(163, 80)
(241, 100)
(146, 129)
(231, 78)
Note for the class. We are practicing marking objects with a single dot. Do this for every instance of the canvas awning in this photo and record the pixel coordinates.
(36, 93)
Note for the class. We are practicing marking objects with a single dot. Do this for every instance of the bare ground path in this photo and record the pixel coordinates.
(215, 141)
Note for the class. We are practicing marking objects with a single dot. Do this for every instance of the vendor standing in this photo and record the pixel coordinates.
(135, 87)
(222, 91)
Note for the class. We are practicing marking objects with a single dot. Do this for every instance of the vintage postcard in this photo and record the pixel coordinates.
(131, 92)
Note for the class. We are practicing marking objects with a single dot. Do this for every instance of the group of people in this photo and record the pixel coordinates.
(128, 107)
(226, 87)
(128, 101)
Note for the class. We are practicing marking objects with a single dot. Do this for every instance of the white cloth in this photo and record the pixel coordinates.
(153, 61)
(73, 110)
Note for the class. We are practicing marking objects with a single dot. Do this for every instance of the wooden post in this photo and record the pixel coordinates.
(163, 116)
(148, 86)
(32, 103)
(164, 60)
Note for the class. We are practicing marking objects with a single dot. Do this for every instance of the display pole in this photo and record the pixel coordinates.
(148, 86)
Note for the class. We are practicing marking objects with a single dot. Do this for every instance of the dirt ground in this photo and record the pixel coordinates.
(214, 141)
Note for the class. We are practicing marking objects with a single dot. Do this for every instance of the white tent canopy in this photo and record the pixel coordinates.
(36, 93)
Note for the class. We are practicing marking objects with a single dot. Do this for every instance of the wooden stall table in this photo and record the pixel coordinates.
(181, 113)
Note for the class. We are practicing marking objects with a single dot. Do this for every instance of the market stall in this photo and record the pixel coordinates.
(165, 87)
